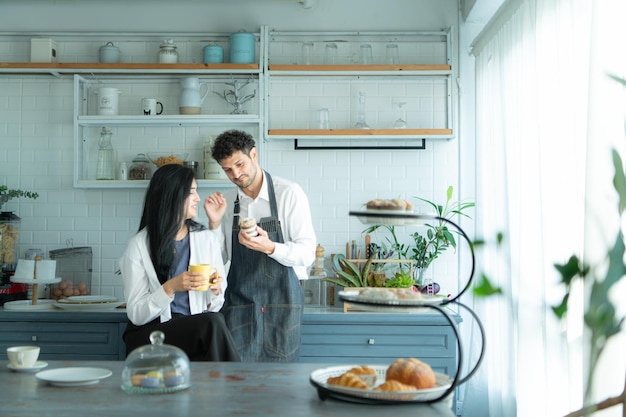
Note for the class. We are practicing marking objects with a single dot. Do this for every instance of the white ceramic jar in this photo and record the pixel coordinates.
(168, 53)
(109, 53)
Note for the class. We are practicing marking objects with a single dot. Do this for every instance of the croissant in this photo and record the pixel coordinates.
(393, 385)
(349, 380)
(411, 372)
(362, 370)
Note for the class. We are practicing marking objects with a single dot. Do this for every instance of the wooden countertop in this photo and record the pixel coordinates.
(218, 389)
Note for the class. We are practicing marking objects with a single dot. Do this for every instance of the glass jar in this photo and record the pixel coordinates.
(168, 53)
(156, 368)
(141, 168)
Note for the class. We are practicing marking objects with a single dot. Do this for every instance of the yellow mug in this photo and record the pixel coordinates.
(208, 272)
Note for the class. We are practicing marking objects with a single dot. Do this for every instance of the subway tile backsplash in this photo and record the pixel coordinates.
(37, 154)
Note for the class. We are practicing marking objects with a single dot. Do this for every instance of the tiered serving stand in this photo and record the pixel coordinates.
(34, 303)
(445, 386)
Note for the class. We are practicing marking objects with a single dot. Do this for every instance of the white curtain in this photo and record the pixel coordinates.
(534, 133)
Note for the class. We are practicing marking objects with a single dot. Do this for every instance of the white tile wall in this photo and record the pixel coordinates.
(294, 103)
(36, 153)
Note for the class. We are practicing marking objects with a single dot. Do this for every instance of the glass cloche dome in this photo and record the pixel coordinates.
(156, 368)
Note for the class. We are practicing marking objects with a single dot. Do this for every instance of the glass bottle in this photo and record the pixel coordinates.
(360, 121)
(105, 169)
(212, 169)
(318, 265)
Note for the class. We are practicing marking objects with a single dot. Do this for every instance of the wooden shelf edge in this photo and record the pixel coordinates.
(123, 66)
(361, 132)
(352, 67)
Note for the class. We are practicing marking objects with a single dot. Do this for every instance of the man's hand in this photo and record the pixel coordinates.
(259, 243)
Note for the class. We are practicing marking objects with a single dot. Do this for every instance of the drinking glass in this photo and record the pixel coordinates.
(330, 54)
(392, 56)
(322, 115)
(366, 54)
(307, 53)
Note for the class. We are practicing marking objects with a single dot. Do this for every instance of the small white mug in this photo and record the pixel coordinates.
(23, 356)
(150, 105)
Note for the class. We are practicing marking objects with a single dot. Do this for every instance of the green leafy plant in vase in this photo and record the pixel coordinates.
(9, 230)
(428, 245)
(7, 195)
(439, 236)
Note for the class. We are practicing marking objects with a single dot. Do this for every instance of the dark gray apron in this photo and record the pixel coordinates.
(263, 301)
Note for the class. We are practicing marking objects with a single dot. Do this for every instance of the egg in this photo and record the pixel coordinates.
(150, 382)
(82, 286)
(155, 374)
(174, 380)
(68, 291)
(136, 379)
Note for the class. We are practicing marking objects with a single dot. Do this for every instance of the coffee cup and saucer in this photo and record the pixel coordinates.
(24, 359)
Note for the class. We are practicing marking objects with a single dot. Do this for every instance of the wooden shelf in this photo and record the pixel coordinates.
(359, 132)
(120, 68)
(352, 67)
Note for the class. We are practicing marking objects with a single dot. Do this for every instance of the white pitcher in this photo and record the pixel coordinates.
(191, 95)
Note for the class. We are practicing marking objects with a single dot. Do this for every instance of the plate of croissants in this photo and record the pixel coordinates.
(405, 380)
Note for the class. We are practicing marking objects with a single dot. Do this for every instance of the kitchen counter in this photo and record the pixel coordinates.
(252, 389)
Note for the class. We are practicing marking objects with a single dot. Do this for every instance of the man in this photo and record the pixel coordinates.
(263, 301)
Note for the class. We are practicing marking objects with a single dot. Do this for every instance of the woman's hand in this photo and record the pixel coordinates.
(215, 207)
(215, 283)
(187, 281)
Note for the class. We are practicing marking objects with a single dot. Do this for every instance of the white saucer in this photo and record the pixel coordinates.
(36, 366)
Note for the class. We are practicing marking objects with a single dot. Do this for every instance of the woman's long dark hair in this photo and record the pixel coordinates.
(163, 213)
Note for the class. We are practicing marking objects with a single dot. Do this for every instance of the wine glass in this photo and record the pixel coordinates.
(400, 122)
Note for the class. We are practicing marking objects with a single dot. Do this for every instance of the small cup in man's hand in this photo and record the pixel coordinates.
(248, 225)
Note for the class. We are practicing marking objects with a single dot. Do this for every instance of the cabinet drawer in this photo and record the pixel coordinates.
(378, 341)
(64, 340)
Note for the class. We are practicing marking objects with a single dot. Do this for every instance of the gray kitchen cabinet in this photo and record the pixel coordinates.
(328, 336)
(331, 336)
(66, 335)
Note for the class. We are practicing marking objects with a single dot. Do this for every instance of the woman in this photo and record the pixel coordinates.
(161, 294)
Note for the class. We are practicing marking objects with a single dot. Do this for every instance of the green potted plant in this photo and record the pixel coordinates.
(9, 225)
(7, 195)
(439, 236)
(428, 245)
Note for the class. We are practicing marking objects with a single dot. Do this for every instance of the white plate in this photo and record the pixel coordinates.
(36, 367)
(27, 305)
(72, 377)
(320, 376)
(373, 299)
(82, 307)
(31, 280)
(88, 299)
(396, 217)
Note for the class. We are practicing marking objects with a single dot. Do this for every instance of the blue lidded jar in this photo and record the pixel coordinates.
(242, 48)
(213, 54)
